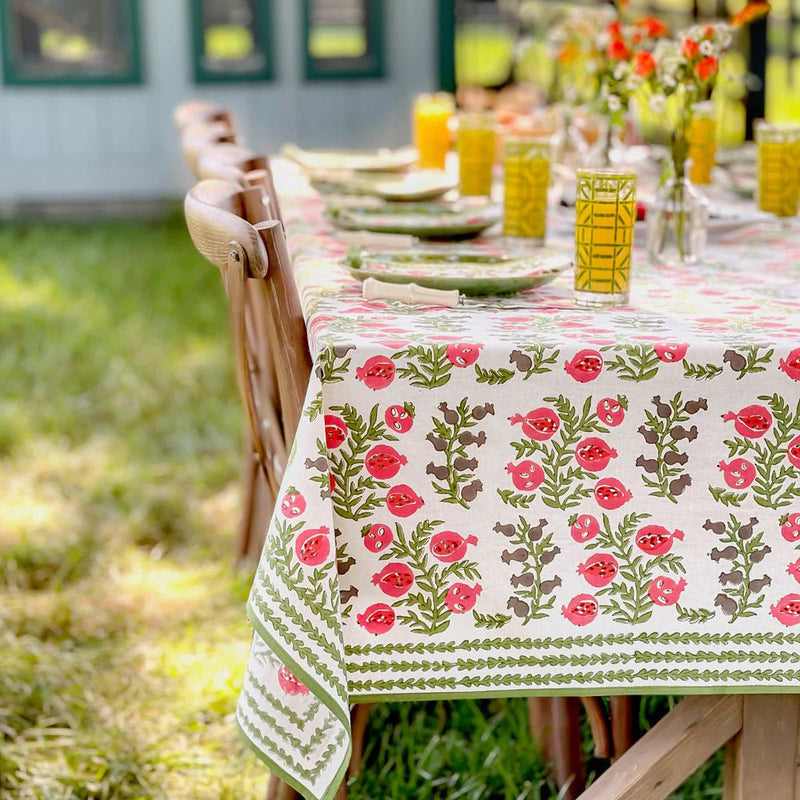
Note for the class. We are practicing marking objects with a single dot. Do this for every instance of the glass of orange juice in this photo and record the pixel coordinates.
(476, 153)
(778, 168)
(702, 142)
(527, 174)
(605, 212)
(432, 114)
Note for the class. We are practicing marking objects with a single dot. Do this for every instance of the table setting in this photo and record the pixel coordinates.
(543, 451)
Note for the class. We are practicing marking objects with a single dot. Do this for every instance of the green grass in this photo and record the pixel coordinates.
(123, 637)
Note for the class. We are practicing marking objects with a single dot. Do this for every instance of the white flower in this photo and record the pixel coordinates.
(707, 47)
(632, 82)
(620, 70)
(668, 81)
(614, 103)
(657, 103)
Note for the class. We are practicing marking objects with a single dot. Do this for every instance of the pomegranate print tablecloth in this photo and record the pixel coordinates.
(524, 497)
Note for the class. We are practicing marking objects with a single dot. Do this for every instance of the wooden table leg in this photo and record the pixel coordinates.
(762, 761)
(540, 713)
(567, 747)
(623, 724)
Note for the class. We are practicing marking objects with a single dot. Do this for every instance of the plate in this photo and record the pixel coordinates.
(424, 220)
(470, 273)
(383, 160)
(404, 187)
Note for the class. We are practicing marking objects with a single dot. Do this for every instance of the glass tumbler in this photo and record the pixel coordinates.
(778, 168)
(432, 114)
(702, 142)
(527, 176)
(605, 212)
(476, 153)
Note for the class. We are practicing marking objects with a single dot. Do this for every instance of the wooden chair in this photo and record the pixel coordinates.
(204, 111)
(199, 135)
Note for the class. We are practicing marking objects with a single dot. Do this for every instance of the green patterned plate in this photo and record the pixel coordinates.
(470, 273)
(424, 220)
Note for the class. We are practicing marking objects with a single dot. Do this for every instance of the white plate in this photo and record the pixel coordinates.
(383, 160)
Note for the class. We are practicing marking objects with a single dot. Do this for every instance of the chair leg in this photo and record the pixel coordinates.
(540, 714)
(278, 790)
(359, 718)
(567, 747)
(250, 478)
(623, 725)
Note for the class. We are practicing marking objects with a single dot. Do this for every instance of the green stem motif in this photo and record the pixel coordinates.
(354, 493)
(333, 363)
(564, 484)
(314, 409)
(700, 372)
(752, 361)
(628, 599)
(541, 362)
(777, 483)
(532, 597)
(742, 595)
(493, 376)
(425, 609)
(427, 367)
(450, 437)
(632, 362)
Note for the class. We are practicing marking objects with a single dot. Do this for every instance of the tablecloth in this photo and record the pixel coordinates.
(525, 497)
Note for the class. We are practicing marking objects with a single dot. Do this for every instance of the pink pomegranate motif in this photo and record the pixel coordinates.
(313, 546)
(539, 424)
(463, 355)
(669, 353)
(289, 682)
(383, 462)
(335, 431)
(593, 454)
(610, 412)
(461, 598)
(790, 530)
(739, 473)
(599, 570)
(585, 528)
(794, 570)
(293, 503)
(581, 610)
(787, 609)
(793, 452)
(377, 372)
(450, 546)
(526, 476)
(377, 619)
(610, 493)
(399, 418)
(394, 579)
(752, 421)
(403, 501)
(585, 366)
(655, 540)
(664, 591)
(377, 537)
(791, 364)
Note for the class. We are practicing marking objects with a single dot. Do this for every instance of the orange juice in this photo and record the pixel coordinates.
(431, 132)
(527, 175)
(702, 143)
(605, 212)
(778, 168)
(476, 151)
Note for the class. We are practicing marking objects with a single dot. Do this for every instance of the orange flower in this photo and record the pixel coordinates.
(568, 54)
(644, 63)
(708, 33)
(690, 49)
(618, 51)
(752, 11)
(614, 29)
(653, 27)
(706, 68)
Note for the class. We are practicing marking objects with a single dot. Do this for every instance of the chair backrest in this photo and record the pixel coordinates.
(200, 135)
(237, 164)
(193, 111)
(221, 217)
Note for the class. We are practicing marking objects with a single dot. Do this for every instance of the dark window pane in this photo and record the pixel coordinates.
(70, 39)
(232, 38)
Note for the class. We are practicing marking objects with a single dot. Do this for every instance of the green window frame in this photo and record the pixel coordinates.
(17, 73)
(263, 42)
(368, 65)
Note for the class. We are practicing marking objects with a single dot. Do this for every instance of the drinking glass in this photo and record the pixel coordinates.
(432, 114)
(476, 152)
(605, 212)
(527, 175)
(778, 168)
(702, 142)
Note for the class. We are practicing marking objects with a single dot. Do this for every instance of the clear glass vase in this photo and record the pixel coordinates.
(677, 224)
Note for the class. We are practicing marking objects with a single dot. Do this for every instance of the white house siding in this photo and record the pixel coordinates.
(117, 142)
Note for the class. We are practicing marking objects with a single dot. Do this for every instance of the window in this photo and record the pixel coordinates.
(232, 40)
(343, 38)
(70, 41)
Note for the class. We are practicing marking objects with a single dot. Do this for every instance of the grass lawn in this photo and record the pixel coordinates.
(122, 629)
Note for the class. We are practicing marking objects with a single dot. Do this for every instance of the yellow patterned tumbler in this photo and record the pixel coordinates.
(778, 167)
(476, 152)
(527, 175)
(702, 142)
(605, 212)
